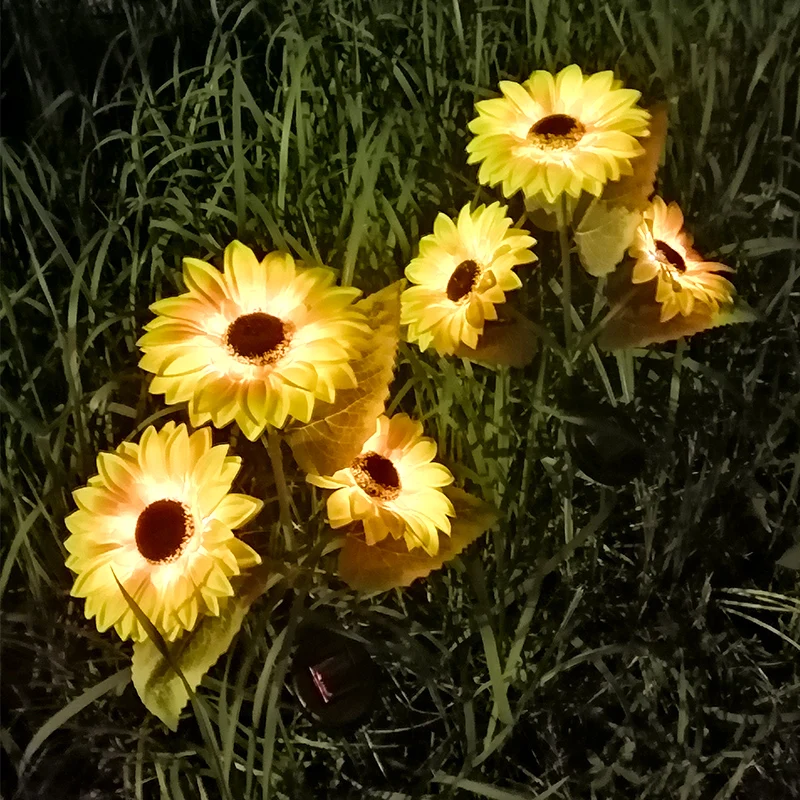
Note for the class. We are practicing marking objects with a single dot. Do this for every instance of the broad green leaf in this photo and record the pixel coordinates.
(159, 685)
(389, 564)
(509, 341)
(603, 236)
(334, 439)
(633, 191)
(638, 324)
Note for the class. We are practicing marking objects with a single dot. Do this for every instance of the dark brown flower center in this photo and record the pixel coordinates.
(162, 530)
(258, 338)
(377, 476)
(556, 132)
(462, 280)
(668, 255)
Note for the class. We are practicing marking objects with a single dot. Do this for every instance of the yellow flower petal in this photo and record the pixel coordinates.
(457, 271)
(99, 502)
(375, 529)
(663, 249)
(323, 481)
(360, 504)
(177, 452)
(202, 279)
(250, 428)
(532, 138)
(217, 582)
(339, 508)
(434, 475)
(241, 269)
(392, 487)
(188, 612)
(245, 555)
(260, 343)
(186, 308)
(422, 452)
(154, 530)
(235, 510)
(644, 270)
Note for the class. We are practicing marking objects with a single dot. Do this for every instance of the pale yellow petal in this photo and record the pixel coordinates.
(203, 279)
(241, 271)
(235, 510)
(339, 508)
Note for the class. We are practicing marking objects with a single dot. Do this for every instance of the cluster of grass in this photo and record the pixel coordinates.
(591, 645)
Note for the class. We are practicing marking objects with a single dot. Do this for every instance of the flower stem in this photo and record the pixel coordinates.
(284, 503)
(591, 333)
(566, 305)
(566, 281)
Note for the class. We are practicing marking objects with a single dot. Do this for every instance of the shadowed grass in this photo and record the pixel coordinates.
(641, 648)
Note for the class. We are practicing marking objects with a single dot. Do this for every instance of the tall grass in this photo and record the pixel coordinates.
(586, 647)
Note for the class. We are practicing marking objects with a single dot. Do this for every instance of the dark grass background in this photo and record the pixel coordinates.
(136, 133)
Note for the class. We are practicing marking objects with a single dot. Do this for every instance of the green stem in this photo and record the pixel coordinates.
(284, 502)
(566, 280)
(533, 429)
(591, 333)
(566, 305)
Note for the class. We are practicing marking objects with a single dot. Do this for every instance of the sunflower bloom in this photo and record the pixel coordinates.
(393, 487)
(259, 343)
(159, 518)
(462, 271)
(663, 251)
(554, 134)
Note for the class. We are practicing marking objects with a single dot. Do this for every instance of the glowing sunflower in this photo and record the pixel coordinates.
(159, 516)
(392, 487)
(260, 343)
(551, 135)
(663, 250)
(463, 269)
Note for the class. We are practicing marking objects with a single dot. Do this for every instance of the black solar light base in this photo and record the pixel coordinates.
(334, 677)
(606, 447)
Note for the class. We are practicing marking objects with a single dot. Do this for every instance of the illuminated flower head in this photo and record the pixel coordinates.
(159, 518)
(555, 134)
(259, 343)
(663, 250)
(463, 269)
(393, 487)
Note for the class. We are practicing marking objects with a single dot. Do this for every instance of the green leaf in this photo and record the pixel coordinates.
(160, 687)
(639, 324)
(603, 236)
(389, 564)
(511, 340)
(333, 440)
(637, 320)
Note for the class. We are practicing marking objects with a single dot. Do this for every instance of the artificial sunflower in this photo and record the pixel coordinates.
(663, 251)
(259, 343)
(463, 269)
(393, 486)
(554, 134)
(159, 518)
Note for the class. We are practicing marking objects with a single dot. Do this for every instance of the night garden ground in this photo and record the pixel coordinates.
(135, 134)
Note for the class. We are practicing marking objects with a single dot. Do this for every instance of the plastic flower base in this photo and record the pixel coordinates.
(607, 448)
(333, 677)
